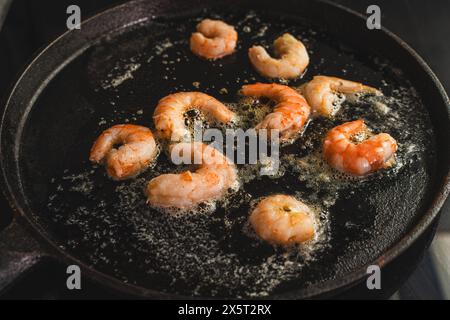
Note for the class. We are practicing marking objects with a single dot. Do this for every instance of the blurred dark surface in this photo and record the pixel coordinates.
(425, 25)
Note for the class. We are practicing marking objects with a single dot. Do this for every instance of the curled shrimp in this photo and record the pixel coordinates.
(283, 220)
(214, 39)
(215, 174)
(169, 113)
(136, 153)
(292, 62)
(290, 113)
(322, 93)
(359, 159)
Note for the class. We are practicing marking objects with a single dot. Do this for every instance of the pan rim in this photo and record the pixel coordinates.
(323, 288)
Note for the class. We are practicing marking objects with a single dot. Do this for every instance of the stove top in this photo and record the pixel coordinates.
(25, 26)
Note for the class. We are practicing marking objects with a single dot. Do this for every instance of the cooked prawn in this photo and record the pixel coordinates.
(292, 62)
(137, 152)
(290, 113)
(360, 158)
(283, 220)
(214, 39)
(169, 113)
(322, 93)
(210, 181)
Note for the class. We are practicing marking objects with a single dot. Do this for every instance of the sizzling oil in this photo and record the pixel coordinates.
(212, 252)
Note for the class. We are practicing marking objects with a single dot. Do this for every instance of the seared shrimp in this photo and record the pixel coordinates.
(137, 152)
(292, 62)
(169, 113)
(288, 116)
(213, 177)
(283, 220)
(322, 93)
(343, 153)
(214, 39)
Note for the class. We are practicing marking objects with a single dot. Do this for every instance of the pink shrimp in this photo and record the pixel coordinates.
(322, 93)
(169, 113)
(359, 159)
(289, 115)
(292, 62)
(283, 220)
(137, 152)
(215, 174)
(214, 39)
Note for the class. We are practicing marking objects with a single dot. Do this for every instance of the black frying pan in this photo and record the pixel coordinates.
(81, 84)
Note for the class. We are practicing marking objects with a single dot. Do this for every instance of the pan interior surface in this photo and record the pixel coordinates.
(108, 225)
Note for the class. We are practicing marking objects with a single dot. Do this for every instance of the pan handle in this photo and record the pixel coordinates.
(19, 254)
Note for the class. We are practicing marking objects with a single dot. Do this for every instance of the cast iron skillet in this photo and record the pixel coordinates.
(53, 114)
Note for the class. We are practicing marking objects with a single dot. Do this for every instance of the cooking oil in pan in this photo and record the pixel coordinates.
(212, 251)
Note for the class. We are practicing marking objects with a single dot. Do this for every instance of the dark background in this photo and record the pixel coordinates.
(424, 24)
